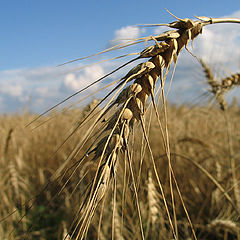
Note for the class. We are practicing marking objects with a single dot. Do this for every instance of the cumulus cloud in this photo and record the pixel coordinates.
(41, 88)
(126, 33)
(160, 29)
(220, 44)
(74, 81)
(20, 86)
(11, 89)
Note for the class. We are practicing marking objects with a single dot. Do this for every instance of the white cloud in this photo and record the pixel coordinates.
(126, 33)
(44, 92)
(11, 89)
(75, 82)
(20, 86)
(71, 81)
(220, 44)
(234, 14)
(160, 29)
(43, 87)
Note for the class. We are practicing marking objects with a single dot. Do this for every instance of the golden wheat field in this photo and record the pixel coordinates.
(131, 165)
(204, 152)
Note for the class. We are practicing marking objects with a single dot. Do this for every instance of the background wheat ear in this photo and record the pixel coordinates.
(220, 88)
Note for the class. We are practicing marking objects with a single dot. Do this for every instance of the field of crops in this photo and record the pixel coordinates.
(205, 160)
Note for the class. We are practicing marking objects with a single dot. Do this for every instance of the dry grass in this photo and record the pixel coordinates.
(198, 136)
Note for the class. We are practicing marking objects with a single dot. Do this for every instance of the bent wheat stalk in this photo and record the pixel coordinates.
(131, 103)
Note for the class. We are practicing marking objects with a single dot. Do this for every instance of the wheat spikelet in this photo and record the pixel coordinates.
(216, 194)
(14, 179)
(223, 224)
(8, 138)
(226, 85)
(153, 200)
(90, 107)
(209, 75)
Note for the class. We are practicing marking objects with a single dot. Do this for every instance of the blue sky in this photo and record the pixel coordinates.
(38, 35)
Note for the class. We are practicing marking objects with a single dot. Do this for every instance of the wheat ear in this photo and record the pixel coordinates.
(132, 104)
(220, 88)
